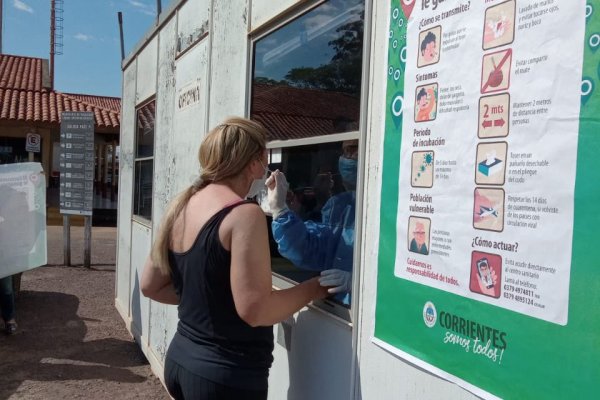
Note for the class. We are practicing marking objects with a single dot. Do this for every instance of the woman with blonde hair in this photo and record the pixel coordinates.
(211, 258)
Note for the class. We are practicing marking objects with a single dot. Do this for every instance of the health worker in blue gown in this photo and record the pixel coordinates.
(325, 246)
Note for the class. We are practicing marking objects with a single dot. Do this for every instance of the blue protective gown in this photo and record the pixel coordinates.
(318, 246)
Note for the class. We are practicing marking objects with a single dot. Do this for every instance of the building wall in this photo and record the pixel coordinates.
(264, 10)
(163, 318)
(46, 148)
(122, 287)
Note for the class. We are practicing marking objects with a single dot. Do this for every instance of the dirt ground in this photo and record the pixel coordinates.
(71, 341)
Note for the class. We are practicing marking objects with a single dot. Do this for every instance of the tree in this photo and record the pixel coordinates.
(343, 72)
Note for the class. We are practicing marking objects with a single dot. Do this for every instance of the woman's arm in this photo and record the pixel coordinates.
(157, 286)
(251, 284)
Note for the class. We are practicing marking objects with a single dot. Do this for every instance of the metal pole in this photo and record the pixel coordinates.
(67, 239)
(1, 26)
(120, 17)
(158, 8)
(52, 28)
(87, 241)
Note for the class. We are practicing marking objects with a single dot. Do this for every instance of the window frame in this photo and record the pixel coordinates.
(340, 313)
(138, 160)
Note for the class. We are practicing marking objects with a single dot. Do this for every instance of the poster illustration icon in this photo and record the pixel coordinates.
(422, 169)
(426, 102)
(486, 274)
(429, 46)
(499, 25)
(491, 163)
(495, 71)
(418, 235)
(494, 116)
(488, 209)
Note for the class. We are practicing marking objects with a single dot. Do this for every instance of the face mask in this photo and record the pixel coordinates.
(258, 185)
(348, 168)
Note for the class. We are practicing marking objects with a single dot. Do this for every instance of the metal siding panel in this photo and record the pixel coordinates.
(189, 121)
(141, 240)
(319, 361)
(264, 10)
(146, 71)
(192, 19)
(125, 187)
(164, 129)
(229, 61)
(161, 316)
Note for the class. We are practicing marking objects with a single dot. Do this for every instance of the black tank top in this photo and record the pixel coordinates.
(212, 340)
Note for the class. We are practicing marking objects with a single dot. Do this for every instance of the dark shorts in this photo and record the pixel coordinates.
(183, 384)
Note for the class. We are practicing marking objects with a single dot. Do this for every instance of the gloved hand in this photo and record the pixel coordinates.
(341, 281)
(277, 188)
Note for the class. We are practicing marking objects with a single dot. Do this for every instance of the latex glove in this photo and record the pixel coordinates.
(340, 281)
(277, 188)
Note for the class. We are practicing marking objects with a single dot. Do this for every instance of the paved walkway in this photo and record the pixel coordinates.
(71, 342)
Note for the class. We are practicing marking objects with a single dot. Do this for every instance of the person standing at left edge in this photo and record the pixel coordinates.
(7, 305)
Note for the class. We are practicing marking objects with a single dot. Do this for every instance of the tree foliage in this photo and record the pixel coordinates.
(342, 73)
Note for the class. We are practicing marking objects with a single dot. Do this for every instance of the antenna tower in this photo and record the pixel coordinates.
(56, 34)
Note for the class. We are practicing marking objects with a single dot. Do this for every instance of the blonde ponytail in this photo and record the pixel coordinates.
(160, 248)
(224, 153)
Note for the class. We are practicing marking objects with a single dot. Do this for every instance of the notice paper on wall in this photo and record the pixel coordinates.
(490, 134)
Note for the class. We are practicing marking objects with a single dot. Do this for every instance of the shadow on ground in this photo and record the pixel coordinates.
(51, 345)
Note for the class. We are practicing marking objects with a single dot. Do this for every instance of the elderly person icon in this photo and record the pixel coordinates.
(417, 244)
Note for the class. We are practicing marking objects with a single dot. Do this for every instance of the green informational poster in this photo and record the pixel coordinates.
(488, 269)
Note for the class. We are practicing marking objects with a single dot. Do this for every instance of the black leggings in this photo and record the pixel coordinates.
(182, 384)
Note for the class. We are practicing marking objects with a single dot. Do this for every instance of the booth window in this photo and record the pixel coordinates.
(144, 160)
(306, 87)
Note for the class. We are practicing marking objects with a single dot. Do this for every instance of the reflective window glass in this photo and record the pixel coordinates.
(307, 74)
(144, 161)
(142, 205)
(306, 90)
(145, 130)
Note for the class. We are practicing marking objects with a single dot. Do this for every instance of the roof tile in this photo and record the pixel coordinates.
(23, 98)
(294, 113)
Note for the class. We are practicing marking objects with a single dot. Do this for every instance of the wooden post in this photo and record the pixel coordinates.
(87, 241)
(67, 239)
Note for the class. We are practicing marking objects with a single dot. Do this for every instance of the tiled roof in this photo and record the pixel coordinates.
(109, 103)
(23, 97)
(21, 73)
(293, 113)
(146, 115)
